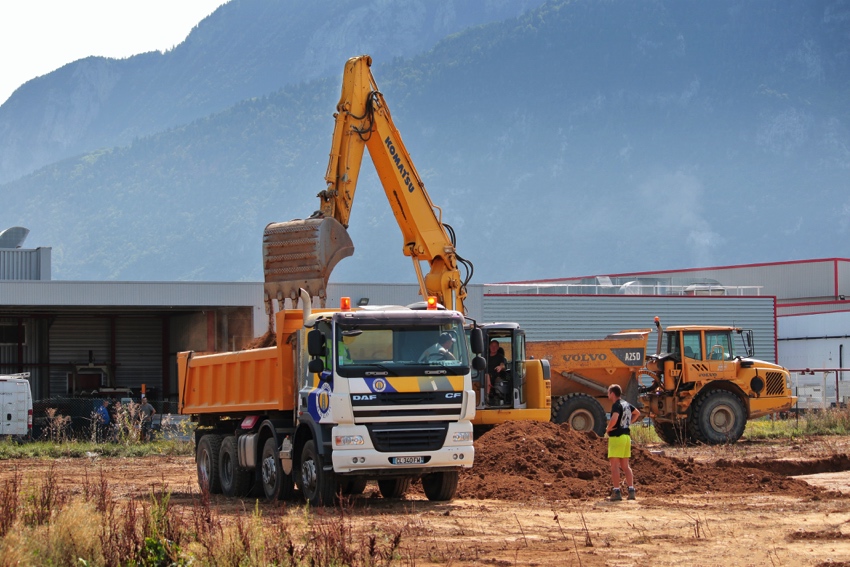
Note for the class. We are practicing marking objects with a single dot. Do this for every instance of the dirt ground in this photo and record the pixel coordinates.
(537, 496)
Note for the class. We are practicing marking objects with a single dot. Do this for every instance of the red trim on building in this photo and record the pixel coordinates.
(835, 268)
(814, 313)
(623, 295)
(830, 302)
(775, 333)
(686, 270)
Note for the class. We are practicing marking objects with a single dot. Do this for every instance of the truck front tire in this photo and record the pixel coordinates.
(394, 487)
(717, 417)
(235, 481)
(276, 485)
(580, 412)
(206, 458)
(317, 485)
(441, 486)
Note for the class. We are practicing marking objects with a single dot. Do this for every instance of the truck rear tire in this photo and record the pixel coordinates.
(318, 485)
(717, 417)
(394, 487)
(235, 481)
(580, 412)
(441, 486)
(206, 458)
(675, 434)
(276, 485)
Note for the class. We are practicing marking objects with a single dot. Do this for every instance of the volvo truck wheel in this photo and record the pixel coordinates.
(235, 481)
(394, 487)
(441, 486)
(317, 484)
(717, 417)
(581, 412)
(206, 458)
(276, 484)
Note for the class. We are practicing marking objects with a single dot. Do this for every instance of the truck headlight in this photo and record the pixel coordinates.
(342, 440)
(462, 436)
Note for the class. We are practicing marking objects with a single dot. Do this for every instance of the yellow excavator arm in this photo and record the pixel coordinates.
(302, 253)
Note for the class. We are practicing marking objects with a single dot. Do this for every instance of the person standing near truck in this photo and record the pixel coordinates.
(620, 441)
(102, 421)
(146, 413)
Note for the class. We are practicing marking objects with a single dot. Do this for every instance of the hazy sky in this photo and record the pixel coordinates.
(39, 36)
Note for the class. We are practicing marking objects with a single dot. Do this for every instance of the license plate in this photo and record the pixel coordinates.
(408, 460)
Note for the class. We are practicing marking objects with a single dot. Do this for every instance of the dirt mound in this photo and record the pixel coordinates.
(518, 460)
(834, 463)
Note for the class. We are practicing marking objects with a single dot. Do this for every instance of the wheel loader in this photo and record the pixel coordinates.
(704, 390)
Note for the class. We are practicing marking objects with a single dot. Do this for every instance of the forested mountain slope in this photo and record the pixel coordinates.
(582, 137)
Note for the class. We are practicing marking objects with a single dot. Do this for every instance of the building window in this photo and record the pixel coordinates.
(9, 334)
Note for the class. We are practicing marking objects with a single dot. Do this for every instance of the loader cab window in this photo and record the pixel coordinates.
(719, 345)
(691, 345)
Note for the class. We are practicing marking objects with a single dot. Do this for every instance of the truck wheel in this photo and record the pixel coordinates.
(235, 481)
(394, 487)
(318, 485)
(441, 486)
(353, 486)
(717, 417)
(673, 433)
(580, 412)
(207, 460)
(276, 485)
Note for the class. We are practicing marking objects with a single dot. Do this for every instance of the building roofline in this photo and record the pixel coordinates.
(685, 270)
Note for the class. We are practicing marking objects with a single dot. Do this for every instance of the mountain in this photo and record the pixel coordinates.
(580, 137)
(246, 48)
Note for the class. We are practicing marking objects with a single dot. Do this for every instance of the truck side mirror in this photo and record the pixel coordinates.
(748, 342)
(479, 364)
(316, 366)
(316, 342)
(476, 340)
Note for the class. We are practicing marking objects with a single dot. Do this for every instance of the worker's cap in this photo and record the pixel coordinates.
(445, 337)
(143, 396)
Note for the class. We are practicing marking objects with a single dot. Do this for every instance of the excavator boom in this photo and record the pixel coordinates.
(302, 253)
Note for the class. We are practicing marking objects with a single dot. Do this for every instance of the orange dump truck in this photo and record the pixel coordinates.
(582, 370)
(346, 396)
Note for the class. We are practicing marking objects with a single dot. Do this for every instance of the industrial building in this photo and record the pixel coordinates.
(75, 336)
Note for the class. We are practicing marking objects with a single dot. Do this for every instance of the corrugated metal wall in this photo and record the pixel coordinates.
(71, 339)
(547, 318)
(138, 349)
(34, 345)
(20, 264)
(138, 352)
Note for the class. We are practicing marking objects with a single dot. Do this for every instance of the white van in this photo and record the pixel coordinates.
(15, 405)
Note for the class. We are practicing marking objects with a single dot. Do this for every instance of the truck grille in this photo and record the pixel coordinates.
(775, 384)
(390, 438)
(435, 406)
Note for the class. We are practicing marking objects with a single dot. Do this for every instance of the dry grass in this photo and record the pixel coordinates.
(43, 523)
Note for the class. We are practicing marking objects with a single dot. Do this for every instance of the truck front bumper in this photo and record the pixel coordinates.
(353, 458)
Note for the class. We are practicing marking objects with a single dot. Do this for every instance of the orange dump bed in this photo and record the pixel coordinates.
(243, 381)
(612, 360)
(252, 380)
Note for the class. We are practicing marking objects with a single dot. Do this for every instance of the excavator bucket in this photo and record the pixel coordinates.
(302, 254)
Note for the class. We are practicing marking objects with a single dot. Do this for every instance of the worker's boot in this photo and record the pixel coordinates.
(615, 495)
(631, 493)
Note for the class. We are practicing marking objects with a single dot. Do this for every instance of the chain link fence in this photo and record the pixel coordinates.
(77, 418)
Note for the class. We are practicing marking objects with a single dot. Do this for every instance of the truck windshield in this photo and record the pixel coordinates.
(401, 350)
